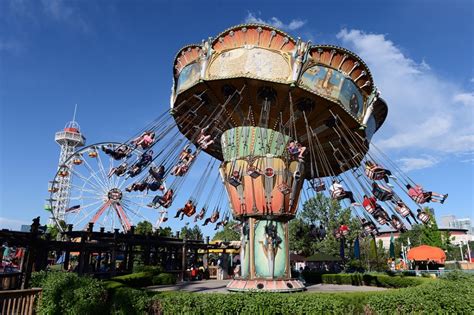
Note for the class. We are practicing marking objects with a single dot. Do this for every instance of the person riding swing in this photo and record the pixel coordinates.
(204, 139)
(338, 193)
(213, 219)
(164, 201)
(421, 196)
(381, 193)
(222, 223)
(189, 209)
(375, 172)
(200, 215)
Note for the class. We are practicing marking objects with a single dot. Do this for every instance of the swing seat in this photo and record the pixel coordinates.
(423, 217)
(165, 219)
(381, 220)
(420, 198)
(189, 211)
(369, 209)
(375, 173)
(284, 188)
(403, 211)
(382, 194)
(338, 194)
(396, 224)
(92, 154)
(337, 235)
(369, 228)
(165, 203)
(234, 181)
(253, 172)
(344, 230)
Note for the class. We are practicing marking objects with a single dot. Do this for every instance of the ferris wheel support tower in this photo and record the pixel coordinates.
(69, 139)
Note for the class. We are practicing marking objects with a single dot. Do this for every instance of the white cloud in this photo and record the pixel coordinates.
(410, 164)
(424, 112)
(11, 224)
(276, 22)
(464, 98)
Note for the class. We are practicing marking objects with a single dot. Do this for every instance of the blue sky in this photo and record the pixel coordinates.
(114, 59)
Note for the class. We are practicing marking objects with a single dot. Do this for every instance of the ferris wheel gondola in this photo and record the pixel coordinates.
(98, 195)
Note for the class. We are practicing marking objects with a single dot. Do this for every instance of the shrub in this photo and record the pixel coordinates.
(126, 301)
(68, 293)
(163, 278)
(433, 297)
(313, 277)
(135, 280)
(155, 270)
(378, 280)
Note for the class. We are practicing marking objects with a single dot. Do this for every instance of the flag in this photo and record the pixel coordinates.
(392, 246)
(357, 249)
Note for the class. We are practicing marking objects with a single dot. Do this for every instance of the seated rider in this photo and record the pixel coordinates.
(296, 150)
(164, 201)
(234, 179)
(188, 209)
(223, 222)
(397, 224)
(338, 192)
(376, 172)
(420, 196)
(200, 215)
(381, 193)
(139, 186)
(369, 227)
(369, 204)
(344, 230)
(119, 153)
(120, 170)
(213, 219)
(403, 210)
(204, 139)
(381, 216)
(144, 140)
(145, 159)
(158, 173)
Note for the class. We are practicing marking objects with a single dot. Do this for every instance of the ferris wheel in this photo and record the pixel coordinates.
(103, 189)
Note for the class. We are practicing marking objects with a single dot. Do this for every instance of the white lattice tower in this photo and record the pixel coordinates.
(69, 139)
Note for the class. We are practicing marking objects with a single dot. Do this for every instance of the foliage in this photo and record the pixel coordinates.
(68, 293)
(164, 278)
(124, 300)
(143, 228)
(154, 270)
(135, 280)
(229, 233)
(429, 297)
(166, 232)
(377, 280)
(191, 233)
(328, 212)
(421, 234)
(433, 297)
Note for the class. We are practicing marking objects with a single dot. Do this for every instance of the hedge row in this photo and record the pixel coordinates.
(431, 297)
(144, 279)
(384, 281)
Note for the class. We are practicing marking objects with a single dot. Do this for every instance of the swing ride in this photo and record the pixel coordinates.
(280, 120)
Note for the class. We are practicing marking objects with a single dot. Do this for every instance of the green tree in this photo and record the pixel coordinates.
(143, 228)
(191, 233)
(167, 231)
(229, 233)
(328, 212)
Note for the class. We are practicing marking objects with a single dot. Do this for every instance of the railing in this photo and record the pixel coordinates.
(21, 302)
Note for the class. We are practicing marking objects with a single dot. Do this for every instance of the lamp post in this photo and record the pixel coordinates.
(468, 251)
(460, 247)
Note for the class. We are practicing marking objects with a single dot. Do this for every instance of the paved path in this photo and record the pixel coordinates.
(219, 286)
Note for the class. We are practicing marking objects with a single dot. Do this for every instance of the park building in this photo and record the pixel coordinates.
(456, 235)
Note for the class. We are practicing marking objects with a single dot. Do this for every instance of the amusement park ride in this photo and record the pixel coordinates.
(278, 114)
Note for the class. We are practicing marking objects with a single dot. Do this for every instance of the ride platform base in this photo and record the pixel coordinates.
(266, 285)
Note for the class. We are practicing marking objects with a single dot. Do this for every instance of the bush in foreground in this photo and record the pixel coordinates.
(68, 293)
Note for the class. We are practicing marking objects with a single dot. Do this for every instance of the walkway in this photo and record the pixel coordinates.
(219, 286)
